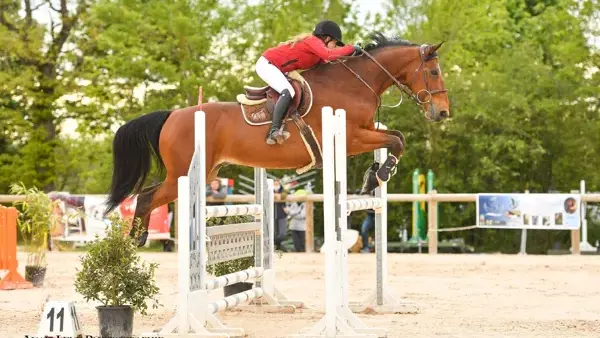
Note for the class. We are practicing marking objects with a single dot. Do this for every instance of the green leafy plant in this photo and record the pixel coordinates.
(36, 221)
(111, 271)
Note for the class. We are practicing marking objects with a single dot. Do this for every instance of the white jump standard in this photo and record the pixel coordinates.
(338, 321)
(381, 300)
(199, 246)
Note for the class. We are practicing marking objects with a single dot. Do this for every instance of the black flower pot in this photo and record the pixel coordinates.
(35, 274)
(115, 321)
(232, 289)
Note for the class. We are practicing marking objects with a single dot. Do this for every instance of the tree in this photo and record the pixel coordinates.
(32, 57)
(522, 107)
(101, 63)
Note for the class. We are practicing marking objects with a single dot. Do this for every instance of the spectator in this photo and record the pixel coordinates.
(367, 225)
(216, 190)
(280, 215)
(297, 217)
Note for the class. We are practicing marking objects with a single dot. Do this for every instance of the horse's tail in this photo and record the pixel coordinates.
(134, 145)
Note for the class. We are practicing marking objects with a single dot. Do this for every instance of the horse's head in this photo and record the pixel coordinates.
(415, 70)
(427, 84)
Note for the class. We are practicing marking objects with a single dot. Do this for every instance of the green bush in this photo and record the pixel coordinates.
(111, 271)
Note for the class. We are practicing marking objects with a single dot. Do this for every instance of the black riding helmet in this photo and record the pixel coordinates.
(330, 28)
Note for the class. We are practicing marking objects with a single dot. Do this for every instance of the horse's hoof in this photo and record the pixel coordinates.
(142, 239)
(370, 181)
(370, 186)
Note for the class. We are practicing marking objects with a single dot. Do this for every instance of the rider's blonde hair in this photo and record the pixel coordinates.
(296, 39)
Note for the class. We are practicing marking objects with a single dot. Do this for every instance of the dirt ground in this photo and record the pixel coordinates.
(457, 295)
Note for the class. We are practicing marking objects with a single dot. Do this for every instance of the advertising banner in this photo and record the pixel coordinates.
(529, 211)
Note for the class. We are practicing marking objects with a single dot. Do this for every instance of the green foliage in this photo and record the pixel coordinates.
(524, 113)
(111, 271)
(36, 221)
(84, 165)
(224, 268)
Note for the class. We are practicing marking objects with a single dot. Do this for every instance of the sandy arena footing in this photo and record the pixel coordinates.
(457, 295)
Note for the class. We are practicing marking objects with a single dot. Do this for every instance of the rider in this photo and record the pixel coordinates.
(302, 52)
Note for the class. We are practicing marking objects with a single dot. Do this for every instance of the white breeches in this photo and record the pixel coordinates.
(273, 76)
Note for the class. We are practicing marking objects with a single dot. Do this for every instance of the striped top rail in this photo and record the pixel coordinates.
(363, 204)
(233, 210)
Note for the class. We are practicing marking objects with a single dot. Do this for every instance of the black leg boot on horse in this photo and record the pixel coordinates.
(379, 173)
(383, 172)
(277, 134)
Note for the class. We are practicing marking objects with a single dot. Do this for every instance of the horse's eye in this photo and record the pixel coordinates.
(434, 72)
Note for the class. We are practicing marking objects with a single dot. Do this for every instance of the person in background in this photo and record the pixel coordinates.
(280, 214)
(216, 190)
(367, 225)
(297, 217)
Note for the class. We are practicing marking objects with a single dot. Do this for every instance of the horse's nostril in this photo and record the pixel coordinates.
(444, 113)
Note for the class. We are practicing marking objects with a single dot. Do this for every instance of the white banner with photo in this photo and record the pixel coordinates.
(529, 211)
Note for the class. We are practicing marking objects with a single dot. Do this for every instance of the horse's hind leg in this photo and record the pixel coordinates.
(142, 209)
(151, 199)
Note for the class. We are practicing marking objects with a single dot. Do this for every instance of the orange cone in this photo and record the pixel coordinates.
(8, 251)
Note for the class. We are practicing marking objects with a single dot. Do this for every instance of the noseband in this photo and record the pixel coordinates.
(428, 92)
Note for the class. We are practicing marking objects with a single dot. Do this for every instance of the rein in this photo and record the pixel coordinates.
(402, 87)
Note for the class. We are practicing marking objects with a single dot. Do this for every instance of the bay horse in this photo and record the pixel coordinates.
(353, 83)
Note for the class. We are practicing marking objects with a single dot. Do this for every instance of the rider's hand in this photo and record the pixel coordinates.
(357, 49)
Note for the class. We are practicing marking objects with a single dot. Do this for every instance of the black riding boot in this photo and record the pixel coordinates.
(281, 107)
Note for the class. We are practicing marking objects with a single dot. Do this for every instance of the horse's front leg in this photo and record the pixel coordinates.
(364, 140)
(388, 168)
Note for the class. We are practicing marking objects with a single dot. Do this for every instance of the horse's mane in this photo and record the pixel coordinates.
(377, 40)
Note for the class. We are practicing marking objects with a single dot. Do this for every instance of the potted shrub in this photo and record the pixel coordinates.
(224, 268)
(36, 221)
(112, 274)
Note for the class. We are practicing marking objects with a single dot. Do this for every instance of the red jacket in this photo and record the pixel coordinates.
(304, 54)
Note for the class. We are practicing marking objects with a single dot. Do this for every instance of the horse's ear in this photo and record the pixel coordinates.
(434, 48)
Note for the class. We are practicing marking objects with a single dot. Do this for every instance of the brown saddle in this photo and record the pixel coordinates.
(257, 105)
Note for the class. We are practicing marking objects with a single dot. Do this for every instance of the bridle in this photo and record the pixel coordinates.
(429, 93)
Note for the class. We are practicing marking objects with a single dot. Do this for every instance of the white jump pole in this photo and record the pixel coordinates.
(338, 320)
